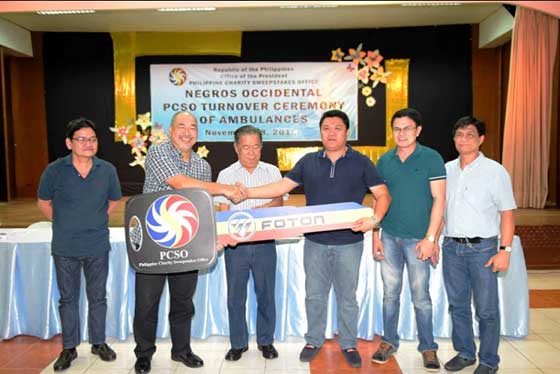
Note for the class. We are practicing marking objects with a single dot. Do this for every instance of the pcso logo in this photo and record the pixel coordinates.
(177, 76)
(241, 226)
(172, 221)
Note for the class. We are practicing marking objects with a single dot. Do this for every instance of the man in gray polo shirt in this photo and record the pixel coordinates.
(479, 210)
(258, 258)
(77, 193)
(415, 176)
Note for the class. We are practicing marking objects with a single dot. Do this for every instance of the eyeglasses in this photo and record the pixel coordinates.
(84, 140)
(405, 130)
(468, 135)
(247, 148)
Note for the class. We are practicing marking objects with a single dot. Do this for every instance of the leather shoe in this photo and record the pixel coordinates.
(143, 365)
(65, 359)
(483, 369)
(235, 354)
(268, 351)
(458, 363)
(308, 353)
(352, 356)
(104, 351)
(189, 359)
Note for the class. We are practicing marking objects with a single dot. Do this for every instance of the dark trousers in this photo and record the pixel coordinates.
(68, 276)
(148, 292)
(260, 260)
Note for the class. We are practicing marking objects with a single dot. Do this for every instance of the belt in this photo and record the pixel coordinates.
(475, 240)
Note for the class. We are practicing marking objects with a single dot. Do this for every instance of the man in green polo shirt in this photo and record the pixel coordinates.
(77, 193)
(415, 176)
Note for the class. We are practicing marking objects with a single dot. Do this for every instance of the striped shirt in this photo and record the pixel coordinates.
(263, 174)
(164, 161)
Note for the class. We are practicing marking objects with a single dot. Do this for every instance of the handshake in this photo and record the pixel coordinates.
(236, 193)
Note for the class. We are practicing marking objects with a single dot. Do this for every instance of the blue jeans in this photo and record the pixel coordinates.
(325, 266)
(398, 253)
(68, 276)
(466, 277)
(260, 260)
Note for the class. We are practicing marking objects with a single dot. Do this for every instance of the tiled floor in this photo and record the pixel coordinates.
(538, 353)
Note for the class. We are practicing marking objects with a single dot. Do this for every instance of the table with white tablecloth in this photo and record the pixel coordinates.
(29, 294)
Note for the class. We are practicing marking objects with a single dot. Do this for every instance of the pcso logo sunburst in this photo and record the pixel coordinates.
(177, 76)
(172, 221)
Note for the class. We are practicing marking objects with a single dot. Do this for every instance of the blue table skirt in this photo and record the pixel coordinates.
(29, 296)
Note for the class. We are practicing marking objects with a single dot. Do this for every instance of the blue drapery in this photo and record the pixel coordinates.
(29, 294)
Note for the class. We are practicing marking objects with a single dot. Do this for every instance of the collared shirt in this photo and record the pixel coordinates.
(409, 185)
(263, 174)
(475, 197)
(164, 161)
(326, 182)
(80, 222)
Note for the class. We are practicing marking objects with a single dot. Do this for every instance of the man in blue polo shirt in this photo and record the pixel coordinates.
(415, 175)
(333, 175)
(78, 192)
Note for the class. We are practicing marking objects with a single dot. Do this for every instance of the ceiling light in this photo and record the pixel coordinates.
(308, 6)
(431, 3)
(63, 12)
(191, 9)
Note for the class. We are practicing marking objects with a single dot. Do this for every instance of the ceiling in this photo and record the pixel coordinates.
(113, 16)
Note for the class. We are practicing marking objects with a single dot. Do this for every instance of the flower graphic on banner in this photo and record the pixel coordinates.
(145, 134)
(202, 151)
(158, 134)
(379, 76)
(356, 55)
(144, 121)
(363, 74)
(121, 132)
(366, 66)
(373, 59)
(138, 143)
(337, 55)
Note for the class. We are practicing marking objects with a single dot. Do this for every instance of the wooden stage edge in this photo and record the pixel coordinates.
(539, 229)
(23, 212)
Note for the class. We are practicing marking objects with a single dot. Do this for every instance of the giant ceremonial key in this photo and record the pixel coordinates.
(170, 231)
(287, 222)
(175, 231)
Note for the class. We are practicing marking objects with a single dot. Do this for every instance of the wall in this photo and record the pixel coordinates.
(79, 81)
(28, 120)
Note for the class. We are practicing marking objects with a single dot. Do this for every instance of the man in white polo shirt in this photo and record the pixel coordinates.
(258, 258)
(478, 232)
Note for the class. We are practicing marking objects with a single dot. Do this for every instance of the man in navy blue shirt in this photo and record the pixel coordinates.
(77, 193)
(333, 175)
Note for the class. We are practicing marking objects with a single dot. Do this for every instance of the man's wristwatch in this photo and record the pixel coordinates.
(431, 238)
(506, 248)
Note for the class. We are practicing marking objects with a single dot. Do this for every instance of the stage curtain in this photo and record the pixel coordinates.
(396, 92)
(526, 146)
(128, 45)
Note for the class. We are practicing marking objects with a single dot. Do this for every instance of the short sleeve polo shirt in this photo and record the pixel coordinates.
(80, 222)
(409, 185)
(475, 197)
(324, 182)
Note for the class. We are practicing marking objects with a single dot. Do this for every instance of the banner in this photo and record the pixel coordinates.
(284, 100)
